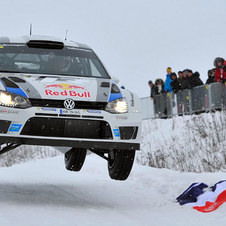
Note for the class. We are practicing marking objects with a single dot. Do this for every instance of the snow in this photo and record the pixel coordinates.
(42, 192)
(194, 143)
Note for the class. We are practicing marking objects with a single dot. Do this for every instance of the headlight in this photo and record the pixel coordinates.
(8, 99)
(117, 106)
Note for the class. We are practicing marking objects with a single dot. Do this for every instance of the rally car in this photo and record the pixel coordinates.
(57, 93)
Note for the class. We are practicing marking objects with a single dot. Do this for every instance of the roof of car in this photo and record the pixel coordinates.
(27, 38)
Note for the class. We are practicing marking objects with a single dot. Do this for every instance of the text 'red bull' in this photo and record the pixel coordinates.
(70, 93)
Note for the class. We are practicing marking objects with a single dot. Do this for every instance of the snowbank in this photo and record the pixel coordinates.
(194, 143)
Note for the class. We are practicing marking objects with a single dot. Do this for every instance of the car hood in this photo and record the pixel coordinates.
(57, 87)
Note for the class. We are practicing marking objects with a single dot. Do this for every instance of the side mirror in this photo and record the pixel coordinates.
(116, 80)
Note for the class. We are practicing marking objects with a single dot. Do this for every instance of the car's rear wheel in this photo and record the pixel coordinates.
(120, 163)
(74, 159)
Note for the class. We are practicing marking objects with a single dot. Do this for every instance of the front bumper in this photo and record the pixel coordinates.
(88, 144)
(75, 128)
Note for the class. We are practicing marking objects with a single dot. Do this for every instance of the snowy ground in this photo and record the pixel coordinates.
(195, 143)
(43, 193)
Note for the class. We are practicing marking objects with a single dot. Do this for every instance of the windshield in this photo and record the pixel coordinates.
(71, 61)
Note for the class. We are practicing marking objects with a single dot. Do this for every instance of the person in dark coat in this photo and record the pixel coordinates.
(153, 89)
(193, 79)
(175, 83)
(180, 77)
(185, 83)
(211, 76)
(159, 83)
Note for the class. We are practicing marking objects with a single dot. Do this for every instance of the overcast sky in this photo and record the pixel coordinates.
(136, 40)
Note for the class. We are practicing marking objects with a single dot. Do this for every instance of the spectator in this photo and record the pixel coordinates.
(175, 83)
(167, 86)
(220, 73)
(185, 84)
(211, 76)
(197, 80)
(153, 89)
(160, 85)
(224, 67)
(193, 79)
(180, 77)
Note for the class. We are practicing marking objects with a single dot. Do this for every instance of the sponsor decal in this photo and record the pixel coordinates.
(9, 111)
(93, 111)
(116, 132)
(122, 117)
(68, 93)
(13, 44)
(64, 86)
(80, 49)
(15, 128)
(62, 111)
(69, 90)
(132, 100)
(49, 109)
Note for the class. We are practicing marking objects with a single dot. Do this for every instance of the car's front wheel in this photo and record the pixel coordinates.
(120, 163)
(74, 159)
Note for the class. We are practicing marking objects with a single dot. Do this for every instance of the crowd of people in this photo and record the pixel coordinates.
(187, 79)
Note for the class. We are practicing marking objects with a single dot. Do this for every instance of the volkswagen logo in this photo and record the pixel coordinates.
(69, 104)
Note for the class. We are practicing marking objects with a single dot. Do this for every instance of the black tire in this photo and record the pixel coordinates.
(74, 159)
(120, 164)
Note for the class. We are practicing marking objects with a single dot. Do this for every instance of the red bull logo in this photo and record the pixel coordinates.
(68, 90)
(68, 93)
(64, 86)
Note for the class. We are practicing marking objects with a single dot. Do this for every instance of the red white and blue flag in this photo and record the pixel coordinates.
(203, 199)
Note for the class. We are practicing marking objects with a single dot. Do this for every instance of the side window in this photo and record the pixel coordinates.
(77, 66)
(94, 70)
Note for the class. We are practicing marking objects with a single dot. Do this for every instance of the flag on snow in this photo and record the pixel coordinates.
(202, 199)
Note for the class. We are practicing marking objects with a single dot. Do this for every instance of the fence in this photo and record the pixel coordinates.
(200, 99)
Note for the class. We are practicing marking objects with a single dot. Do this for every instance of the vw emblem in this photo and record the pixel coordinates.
(69, 104)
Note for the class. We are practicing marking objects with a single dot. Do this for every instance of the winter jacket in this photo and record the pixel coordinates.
(154, 91)
(160, 89)
(220, 75)
(194, 80)
(211, 79)
(175, 85)
(167, 86)
(185, 84)
(180, 82)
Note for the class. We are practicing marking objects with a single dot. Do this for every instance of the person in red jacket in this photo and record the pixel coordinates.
(224, 68)
(220, 73)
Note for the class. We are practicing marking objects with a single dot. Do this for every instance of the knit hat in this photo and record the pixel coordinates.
(169, 69)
